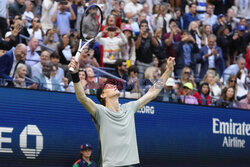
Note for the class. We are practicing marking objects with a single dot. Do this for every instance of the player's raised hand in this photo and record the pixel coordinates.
(74, 64)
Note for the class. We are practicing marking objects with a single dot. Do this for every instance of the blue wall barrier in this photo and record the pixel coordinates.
(39, 128)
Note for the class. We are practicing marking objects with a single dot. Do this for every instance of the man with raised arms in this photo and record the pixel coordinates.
(114, 122)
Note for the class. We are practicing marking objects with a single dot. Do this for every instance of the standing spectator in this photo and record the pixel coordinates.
(242, 86)
(187, 97)
(128, 50)
(231, 19)
(221, 21)
(234, 68)
(45, 81)
(49, 40)
(243, 8)
(211, 57)
(240, 41)
(171, 38)
(80, 10)
(28, 14)
(191, 16)
(37, 68)
(168, 94)
(160, 50)
(209, 17)
(185, 52)
(248, 59)
(179, 18)
(32, 56)
(245, 103)
(48, 8)
(62, 17)
(111, 45)
(133, 9)
(64, 51)
(206, 31)
(202, 95)
(10, 61)
(195, 32)
(4, 17)
(85, 157)
(149, 16)
(201, 7)
(17, 8)
(221, 6)
(36, 30)
(227, 99)
(144, 44)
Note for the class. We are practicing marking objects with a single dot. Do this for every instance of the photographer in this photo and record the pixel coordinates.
(145, 45)
(62, 17)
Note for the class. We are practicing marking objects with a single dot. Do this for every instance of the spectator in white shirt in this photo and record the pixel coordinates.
(133, 9)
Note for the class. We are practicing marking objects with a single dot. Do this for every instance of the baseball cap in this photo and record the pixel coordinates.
(241, 28)
(219, 16)
(188, 85)
(8, 34)
(84, 146)
(127, 27)
(170, 82)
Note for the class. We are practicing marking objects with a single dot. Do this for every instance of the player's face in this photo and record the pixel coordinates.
(111, 90)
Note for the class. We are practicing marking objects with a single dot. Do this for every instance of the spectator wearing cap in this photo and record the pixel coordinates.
(85, 157)
(128, 50)
(211, 57)
(168, 94)
(45, 81)
(240, 41)
(221, 21)
(145, 44)
(202, 95)
(111, 45)
(187, 97)
(191, 16)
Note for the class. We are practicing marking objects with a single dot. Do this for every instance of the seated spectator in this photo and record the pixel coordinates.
(45, 81)
(93, 82)
(187, 97)
(211, 57)
(20, 79)
(85, 157)
(187, 75)
(161, 19)
(206, 31)
(37, 68)
(242, 87)
(227, 99)
(195, 32)
(133, 84)
(83, 81)
(121, 72)
(87, 58)
(202, 95)
(54, 58)
(185, 52)
(214, 84)
(62, 17)
(10, 60)
(111, 45)
(128, 50)
(151, 76)
(168, 94)
(234, 69)
(32, 57)
(245, 103)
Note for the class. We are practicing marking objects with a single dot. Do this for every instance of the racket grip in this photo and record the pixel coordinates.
(71, 69)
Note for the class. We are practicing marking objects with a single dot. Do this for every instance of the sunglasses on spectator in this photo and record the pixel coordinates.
(187, 72)
(233, 81)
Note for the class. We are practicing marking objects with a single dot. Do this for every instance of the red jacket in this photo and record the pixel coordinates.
(248, 60)
(198, 97)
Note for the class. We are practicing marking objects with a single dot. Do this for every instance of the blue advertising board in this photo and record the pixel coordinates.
(39, 128)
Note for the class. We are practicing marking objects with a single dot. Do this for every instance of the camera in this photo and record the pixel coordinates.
(112, 28)
(63, 2)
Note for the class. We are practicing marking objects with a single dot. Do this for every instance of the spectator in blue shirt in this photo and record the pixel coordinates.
(191, 16)
(62, 18)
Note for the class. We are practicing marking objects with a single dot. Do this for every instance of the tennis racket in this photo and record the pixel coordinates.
(90, 26)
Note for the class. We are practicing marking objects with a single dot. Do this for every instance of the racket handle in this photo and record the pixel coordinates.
(71, 69)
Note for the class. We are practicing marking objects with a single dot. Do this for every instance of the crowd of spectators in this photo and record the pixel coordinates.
(208, 38)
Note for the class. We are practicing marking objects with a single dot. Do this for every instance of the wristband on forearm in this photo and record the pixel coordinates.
(75, 77)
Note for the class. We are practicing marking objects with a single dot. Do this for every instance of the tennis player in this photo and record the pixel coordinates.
(114, 122)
